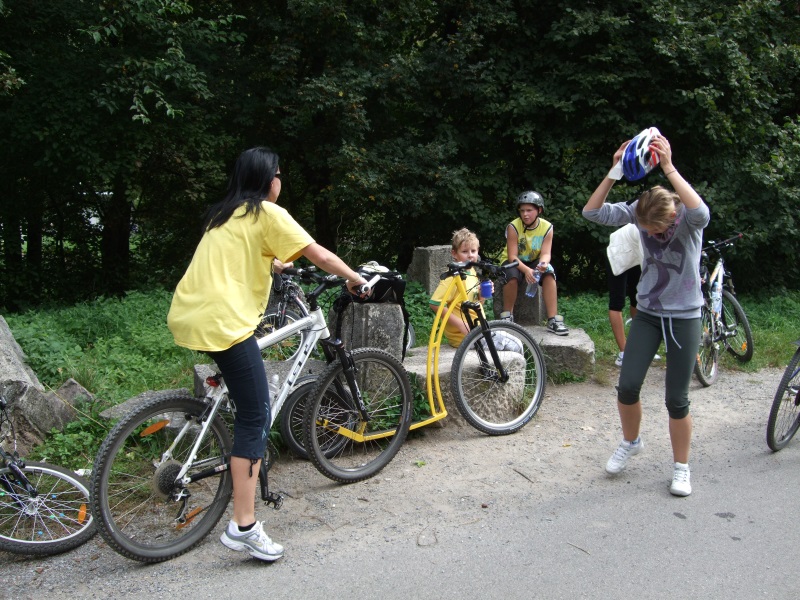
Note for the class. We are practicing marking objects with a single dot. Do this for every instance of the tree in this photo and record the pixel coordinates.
(116, 99)
(397, 122)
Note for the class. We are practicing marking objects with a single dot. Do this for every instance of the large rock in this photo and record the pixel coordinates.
(33, 411)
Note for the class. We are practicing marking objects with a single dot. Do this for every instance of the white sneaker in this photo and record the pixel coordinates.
(618, 362)
(681, 484)
(255, 541)
(657, 357)
(621, 455)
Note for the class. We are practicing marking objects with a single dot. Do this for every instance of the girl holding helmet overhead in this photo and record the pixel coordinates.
(671, 231)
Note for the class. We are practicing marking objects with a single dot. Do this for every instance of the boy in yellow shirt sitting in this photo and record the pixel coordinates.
(465, 248)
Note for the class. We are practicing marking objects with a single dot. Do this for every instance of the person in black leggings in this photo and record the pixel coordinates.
(671, 231)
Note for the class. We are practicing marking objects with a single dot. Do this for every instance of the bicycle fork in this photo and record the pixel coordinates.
(480, 321)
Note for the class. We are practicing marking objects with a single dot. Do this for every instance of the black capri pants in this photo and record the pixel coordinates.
(243, 370)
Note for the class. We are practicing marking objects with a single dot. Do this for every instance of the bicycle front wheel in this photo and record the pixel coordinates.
(738, 335)
(706, 366)
(784, 417)
(341, 444)
(142, 511)
(56, 519)
(287, 349)
(486, 400)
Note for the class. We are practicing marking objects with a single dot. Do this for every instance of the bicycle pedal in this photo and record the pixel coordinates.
(276, 500)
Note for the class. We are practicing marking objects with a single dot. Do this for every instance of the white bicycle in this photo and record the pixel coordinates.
(161, 479)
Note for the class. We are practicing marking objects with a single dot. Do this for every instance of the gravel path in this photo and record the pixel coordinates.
(444, 479)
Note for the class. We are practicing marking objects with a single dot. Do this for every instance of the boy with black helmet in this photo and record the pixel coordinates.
(529, 239)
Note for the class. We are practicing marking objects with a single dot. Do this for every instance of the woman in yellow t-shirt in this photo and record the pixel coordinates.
(217, 306)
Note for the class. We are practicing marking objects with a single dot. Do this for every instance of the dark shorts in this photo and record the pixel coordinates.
(622, 285)
(515, 273)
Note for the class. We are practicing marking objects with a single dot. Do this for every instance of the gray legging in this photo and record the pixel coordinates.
(681, 338)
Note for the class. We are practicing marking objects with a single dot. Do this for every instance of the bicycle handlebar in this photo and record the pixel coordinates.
(729, 242)
(311, 275)
(457, 268)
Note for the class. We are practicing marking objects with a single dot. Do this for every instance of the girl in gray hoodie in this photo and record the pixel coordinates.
(669, 299)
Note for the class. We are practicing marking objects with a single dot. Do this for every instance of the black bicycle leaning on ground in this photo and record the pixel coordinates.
(44, 509)
(725, 324)
(784, 416)
(291, 307)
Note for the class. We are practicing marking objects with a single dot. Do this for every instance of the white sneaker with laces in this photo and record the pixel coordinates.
(681, 484)
(621, 455)
(255, 541)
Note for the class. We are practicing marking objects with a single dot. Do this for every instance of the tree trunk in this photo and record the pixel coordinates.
(115, 241)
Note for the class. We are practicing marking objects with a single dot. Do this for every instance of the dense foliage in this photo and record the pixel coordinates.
(397, 122)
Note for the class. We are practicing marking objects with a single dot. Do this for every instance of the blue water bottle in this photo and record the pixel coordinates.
(486, 289)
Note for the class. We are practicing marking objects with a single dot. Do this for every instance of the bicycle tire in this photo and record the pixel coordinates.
(332, 416)
(488, 404)
(784, 416)
(288, 348)
(733, 317)
(412, 337)
(706, 366)
(132, 483)
(57, 520)
(292, 413)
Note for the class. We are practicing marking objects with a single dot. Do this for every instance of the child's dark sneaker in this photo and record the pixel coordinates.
(556, 325)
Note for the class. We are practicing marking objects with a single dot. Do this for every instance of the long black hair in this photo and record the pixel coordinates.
(249, 185)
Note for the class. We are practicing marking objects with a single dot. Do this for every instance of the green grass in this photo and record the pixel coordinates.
(774, 322)
(119, 348)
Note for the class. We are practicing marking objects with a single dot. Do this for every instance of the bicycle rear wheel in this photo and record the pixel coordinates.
(784, 417)
(57, 519)
(487, 403)
(141, 510)
(741, 343)
(706, 367)
(342, 445)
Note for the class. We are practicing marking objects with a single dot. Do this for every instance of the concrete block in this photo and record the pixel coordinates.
(527, 311)
(378, 325)
(427, 265)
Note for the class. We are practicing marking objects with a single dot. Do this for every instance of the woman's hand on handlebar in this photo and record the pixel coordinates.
(359, 287)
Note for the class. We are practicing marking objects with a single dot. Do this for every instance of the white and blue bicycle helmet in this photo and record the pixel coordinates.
(638, 160)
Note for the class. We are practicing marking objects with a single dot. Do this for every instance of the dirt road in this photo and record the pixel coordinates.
(448, 485)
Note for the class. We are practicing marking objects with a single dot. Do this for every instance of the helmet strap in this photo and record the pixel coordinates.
(533, 225)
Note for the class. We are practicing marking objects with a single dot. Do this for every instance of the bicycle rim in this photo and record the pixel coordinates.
(332, 419)
(287, 349)
(57, 519)
(706, 366)
(136, 501)
(740, 344)
(784, 417)
(486, 402)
